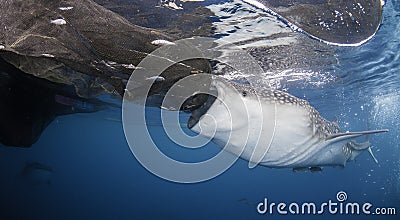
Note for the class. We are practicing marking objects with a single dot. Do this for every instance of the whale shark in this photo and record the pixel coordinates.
(273, 128)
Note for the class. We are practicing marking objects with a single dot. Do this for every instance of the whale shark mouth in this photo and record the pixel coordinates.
(200, 111)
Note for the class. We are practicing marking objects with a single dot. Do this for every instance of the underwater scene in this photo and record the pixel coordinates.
(199, 109)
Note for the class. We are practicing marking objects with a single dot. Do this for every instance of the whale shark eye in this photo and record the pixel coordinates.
(244, 93)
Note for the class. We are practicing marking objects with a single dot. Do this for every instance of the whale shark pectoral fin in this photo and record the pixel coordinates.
(350, 135)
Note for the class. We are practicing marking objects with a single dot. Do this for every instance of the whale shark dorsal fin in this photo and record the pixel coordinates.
(348, 135)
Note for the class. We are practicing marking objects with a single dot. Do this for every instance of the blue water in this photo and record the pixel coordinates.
(95, 176)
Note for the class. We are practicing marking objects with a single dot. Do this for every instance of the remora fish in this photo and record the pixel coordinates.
(273, 128)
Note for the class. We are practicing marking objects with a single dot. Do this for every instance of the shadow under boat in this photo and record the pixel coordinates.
(29, 104)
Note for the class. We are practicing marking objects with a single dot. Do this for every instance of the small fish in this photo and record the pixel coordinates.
(300, 169)
(48, 55)
(129, 66)
(65, 8)
(109, 64)
(156, 78)
(59, 21)
(162, 42)
(2, 47)
(173, 5)
(315, 169)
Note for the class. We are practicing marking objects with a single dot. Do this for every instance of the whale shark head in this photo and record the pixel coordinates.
(224, 116)
(224, 105)
(272, 128)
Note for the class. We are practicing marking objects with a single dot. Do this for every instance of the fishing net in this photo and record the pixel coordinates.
(83, 44)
